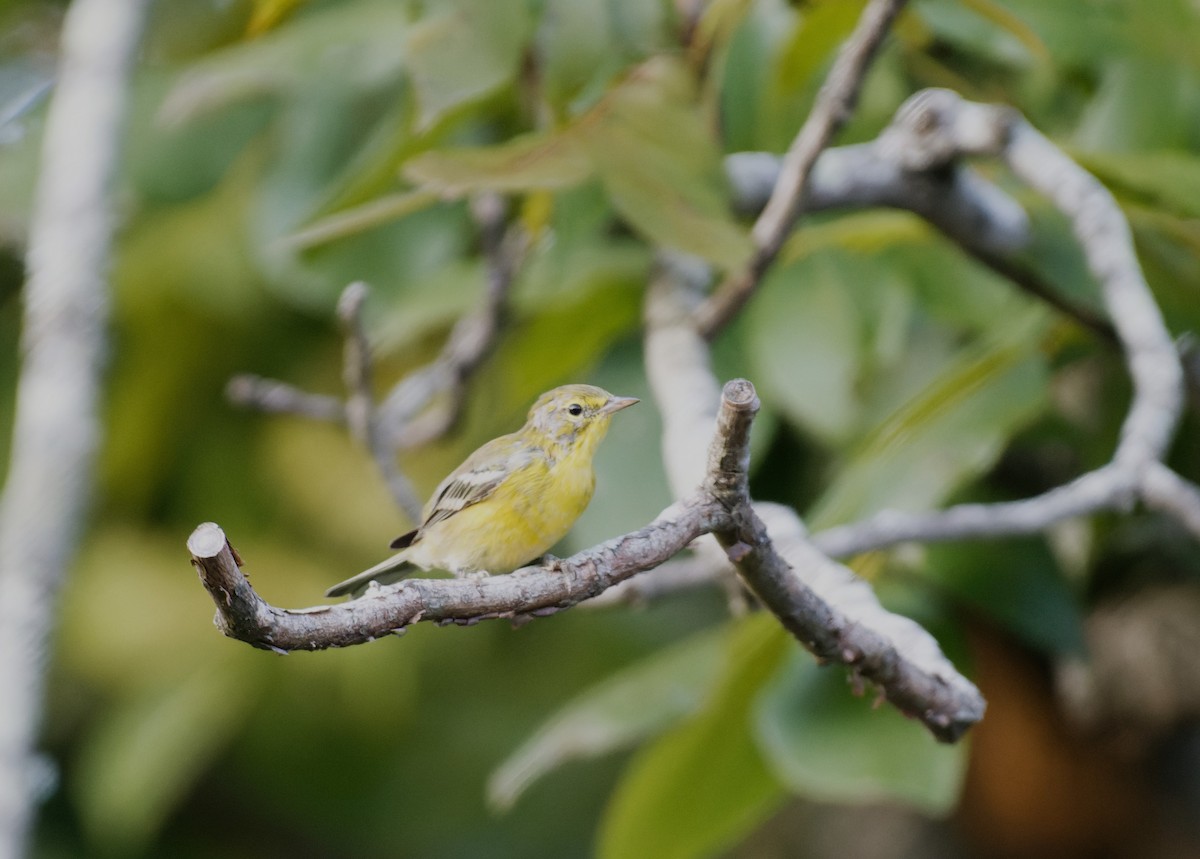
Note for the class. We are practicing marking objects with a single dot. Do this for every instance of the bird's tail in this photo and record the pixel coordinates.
(392, 570)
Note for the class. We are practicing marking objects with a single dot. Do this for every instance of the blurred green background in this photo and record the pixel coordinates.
(280, 149)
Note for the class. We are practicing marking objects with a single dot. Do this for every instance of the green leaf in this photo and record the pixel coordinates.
(146, 753)
(647, 142)
(1011, 23)
(807, 344)
(662, 168)
(581, 47)
(367, 36)
(1017, 583)
(632, 704)
(1169, 181)
(1169, 250)
(358, 219)
(530, 162)
(466, 50)
(819, 30)
(953, 429)
(1021, 30)
(825, 742)
(1142, 103)
(701, 787)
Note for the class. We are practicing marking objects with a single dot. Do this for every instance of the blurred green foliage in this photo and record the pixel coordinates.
(279, 149)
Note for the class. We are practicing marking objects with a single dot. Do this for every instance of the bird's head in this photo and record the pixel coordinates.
(573, 416)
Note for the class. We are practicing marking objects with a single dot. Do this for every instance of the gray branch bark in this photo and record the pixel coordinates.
(975, 214)
(62, 349)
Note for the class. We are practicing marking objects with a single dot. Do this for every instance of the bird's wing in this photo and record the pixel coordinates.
(477, 478)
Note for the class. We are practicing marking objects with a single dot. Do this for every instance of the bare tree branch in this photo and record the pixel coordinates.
(528, 592)
(1089, 493)
(980, 218)
(930, 131)
(681, 573)
(988, 224)
(410, 409)
(280, 398)
(1163, 489)
(831, 611)
(834, 105)
(946, 703)
(361, 415)
(56, 429)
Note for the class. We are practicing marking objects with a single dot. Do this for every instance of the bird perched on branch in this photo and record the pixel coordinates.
(512, 499)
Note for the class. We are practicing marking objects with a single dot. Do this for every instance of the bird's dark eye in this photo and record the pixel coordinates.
(575, 409)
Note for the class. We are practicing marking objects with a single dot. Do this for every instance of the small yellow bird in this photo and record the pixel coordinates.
(512, 499)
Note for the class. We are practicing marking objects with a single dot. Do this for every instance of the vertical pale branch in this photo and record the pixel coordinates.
(361, 416)
(62, 349)
(424, 405)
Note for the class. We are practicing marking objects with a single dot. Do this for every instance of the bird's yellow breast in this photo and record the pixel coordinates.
(517, 523)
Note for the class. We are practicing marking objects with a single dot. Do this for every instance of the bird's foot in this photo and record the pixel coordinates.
(551, 562)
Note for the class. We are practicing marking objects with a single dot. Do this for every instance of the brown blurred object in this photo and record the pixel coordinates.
(1035, 786)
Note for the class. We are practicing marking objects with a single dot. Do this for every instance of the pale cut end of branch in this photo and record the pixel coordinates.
(351, 301)
(729, 455)
(219, 566)
(739, 395)
(207, 541)
(241, 613)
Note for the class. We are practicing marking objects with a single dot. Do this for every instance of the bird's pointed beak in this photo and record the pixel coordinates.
(618, 403)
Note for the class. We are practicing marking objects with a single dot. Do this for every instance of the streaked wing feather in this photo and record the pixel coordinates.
(477, 478)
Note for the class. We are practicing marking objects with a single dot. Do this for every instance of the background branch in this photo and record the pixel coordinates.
(409, 410)
(931, 131)
(977, 215)
(361, 416)
(426, 403)
(834, 106)
(55, 430)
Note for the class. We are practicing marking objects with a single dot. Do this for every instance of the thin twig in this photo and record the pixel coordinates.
(274, 397)
(833, 108)
(56, 428)
(361, 416)
(427, 404)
